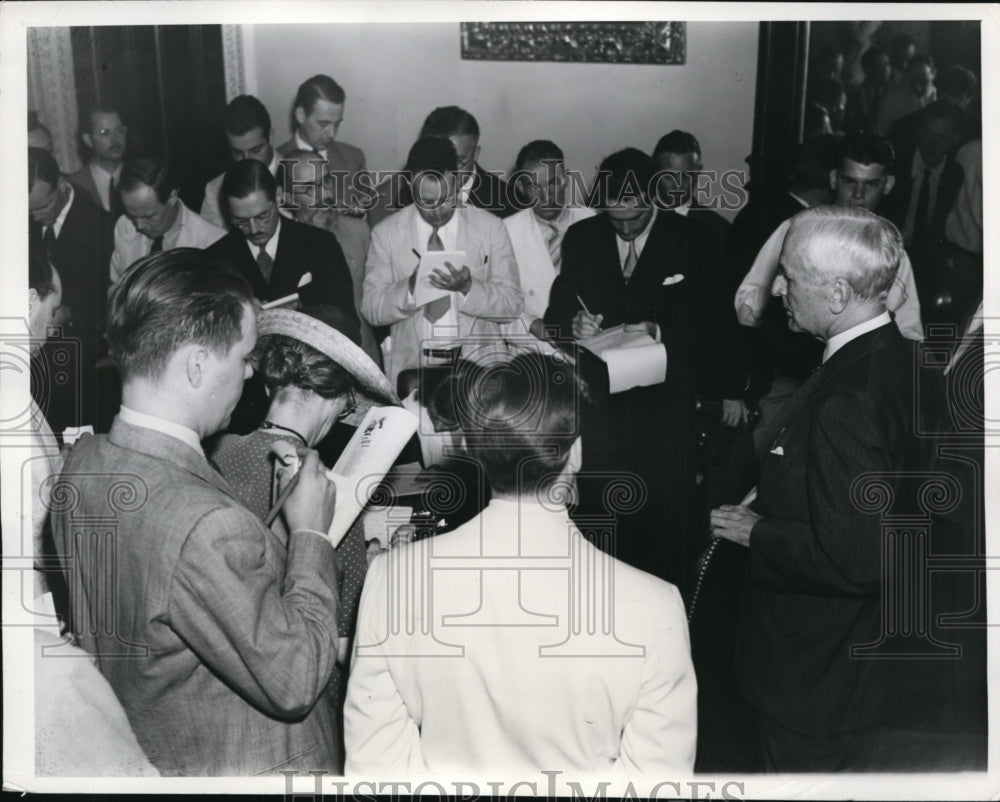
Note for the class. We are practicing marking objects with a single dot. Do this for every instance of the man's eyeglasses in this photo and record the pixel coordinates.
(350, 407)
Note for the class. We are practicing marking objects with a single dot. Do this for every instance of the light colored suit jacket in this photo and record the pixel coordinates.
(492, 665)
(216, 636)
(493, 298)
(534, 265)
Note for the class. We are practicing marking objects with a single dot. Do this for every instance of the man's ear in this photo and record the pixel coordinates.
(279, 196)
(194, 364)
(300, 115)
(88, 140)
(33, 300)
(475, 155)
(840, 296)
(890, 182)
(575, 460)
(833, 180)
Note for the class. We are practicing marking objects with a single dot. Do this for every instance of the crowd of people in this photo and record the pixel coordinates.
(547, 627)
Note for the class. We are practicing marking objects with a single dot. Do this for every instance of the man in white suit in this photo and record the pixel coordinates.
(482, 292)
(473, 652)
(536, 233)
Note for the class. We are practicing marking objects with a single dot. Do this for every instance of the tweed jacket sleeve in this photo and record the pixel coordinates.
(273, 637)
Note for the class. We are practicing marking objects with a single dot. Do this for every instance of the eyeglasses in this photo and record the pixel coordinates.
(350, 407)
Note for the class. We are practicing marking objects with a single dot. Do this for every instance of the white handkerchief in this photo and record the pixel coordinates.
(676, 278)
(306, 279)
(778, 451)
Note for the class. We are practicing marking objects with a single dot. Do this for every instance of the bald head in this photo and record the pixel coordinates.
(837, 267)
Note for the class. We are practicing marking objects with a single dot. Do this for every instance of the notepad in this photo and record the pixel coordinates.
(634, 359)
(423, 291)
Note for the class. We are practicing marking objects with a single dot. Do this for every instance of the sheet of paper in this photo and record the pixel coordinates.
(423, 291)
(616, 337)
(635, 366)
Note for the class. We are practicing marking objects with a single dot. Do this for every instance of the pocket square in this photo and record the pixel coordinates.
(676, 278)
(306, 279)
(778, 451)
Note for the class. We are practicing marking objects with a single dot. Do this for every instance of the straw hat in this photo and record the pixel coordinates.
(375, 387)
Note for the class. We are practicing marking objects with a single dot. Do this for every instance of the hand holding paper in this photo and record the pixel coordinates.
(434, 277)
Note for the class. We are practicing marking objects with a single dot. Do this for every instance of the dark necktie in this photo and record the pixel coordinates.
(630, 261)
(157, 245)
(265, 263)
(49, 240)
(436, 309)
(114, 202)
(920, 220)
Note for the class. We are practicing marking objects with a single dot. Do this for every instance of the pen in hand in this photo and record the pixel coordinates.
(583, 305)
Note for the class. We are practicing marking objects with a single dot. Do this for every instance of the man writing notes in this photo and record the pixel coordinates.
(499, 671)
(482, 291)
(217, 637)
(828, 697)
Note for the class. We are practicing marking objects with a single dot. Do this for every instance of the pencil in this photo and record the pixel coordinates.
(282, 499)
(583, 305)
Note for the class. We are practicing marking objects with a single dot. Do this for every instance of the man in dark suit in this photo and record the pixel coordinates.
(828, 697)
(106, 136)
(208, 628)
(278, 256)
(677, 161)
(634, 264)
(74, 235)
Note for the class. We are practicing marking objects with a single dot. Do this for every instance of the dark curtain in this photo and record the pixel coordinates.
(169, 84)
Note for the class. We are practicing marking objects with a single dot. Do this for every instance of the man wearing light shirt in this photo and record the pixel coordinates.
(207, 627)
(482, 292)
(817, 561)
(155, 218)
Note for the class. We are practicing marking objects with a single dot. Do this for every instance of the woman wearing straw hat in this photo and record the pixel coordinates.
(315, 374)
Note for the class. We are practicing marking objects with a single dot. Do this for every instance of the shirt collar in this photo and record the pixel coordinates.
(683, 209)
(448, 232)
(805, 205)
(176, 430)
(57, 224)
(838, 341)
(99, 172)
(919, 166)
(301, 144)
(271, 248)
(640, 241)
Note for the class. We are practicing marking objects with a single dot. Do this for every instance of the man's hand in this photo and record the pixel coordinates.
(312, 502)
(734, 522)
(453, 281)
(734, 412)
(585, 325)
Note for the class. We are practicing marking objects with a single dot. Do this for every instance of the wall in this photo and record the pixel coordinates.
(394, 74)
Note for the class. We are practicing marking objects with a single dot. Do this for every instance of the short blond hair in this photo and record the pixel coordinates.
(850, 243)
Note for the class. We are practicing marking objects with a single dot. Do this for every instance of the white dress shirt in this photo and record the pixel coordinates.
(175, 430)
(640, 241)
(838, 341)
(102, 180)
(301, 144)
(58, 223)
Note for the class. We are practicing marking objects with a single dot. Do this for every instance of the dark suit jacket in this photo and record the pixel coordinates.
(895, 204)
(217, 636)
(816, 573)
(301, 249)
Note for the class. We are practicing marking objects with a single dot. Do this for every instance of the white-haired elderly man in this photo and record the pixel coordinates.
(818, 567)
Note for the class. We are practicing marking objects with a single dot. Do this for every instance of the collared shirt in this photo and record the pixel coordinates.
(640, 241)
(964, 225)
(683, 209)
(917, 174)
(102, 180)
(444, 329)
(301, 144)
(466, 188)
(189, 230)
(176, 430)
(448, 233)
(562, 222)
(838, 341)
(271, 248)
(58, 223)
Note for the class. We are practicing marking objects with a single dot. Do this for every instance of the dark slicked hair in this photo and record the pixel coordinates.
(41, 276)
(621, 175)
(867, 148)
(150, 171)
(677, 141)
(42, 167)
(169, 299)
(519, 419)
(538, 152)
(319, 87)
(243, 114)
(449, 121)
(432, 154)
(246, 177)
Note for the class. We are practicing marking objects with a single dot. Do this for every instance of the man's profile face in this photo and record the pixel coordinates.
(225, 373)
(935, 139)
(629, 218)
(148, 214)
(435, 197)
(881, 70)
(256, 217)
(545, 184)
(42, 312)
(920, 77)
(319, 126)
(254, 144)
(467, 148)
(862, 185)
(676, 189)
(803, 298)
(45, 202)
(107, 136)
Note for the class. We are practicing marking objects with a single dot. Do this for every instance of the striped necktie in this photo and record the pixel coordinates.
(436, 309)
